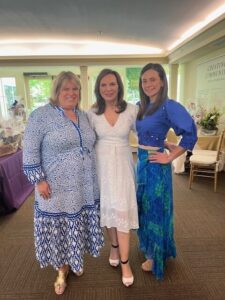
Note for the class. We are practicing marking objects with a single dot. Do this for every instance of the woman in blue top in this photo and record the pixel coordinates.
(59, 158)
(157, 114)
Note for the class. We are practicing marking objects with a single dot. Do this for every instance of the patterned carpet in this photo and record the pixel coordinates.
(198, 272)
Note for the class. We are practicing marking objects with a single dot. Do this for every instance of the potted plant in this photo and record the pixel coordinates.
(209, 122)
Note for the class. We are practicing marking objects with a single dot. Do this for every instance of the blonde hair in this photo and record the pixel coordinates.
(61, 79)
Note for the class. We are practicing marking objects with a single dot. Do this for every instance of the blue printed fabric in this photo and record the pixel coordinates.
(34, 173)
(63, 239)
(61, 152)
(155, 210)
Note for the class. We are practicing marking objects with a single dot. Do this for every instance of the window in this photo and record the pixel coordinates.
(132, 80)
(39, 89)
(7, 94)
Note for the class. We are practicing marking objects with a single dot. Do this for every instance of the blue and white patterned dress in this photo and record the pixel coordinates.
(61, 152)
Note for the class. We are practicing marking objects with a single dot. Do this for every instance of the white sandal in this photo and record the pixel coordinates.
(127, 281)
(114, 262)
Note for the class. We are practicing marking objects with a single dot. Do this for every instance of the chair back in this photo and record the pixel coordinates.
(220, 144)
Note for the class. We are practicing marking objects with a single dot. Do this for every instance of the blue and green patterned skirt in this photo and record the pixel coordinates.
(155, 209)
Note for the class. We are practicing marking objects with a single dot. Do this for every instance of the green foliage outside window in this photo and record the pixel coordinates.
(40, 90)
(132, 78)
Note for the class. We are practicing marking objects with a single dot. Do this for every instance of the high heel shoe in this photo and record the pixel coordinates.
(60, 283)
(127, 281)
(114, 262)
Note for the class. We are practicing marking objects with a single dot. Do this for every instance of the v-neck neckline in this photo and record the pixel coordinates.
(111, 126)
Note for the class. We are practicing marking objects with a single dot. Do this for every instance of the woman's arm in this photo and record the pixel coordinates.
(164, 157)
(33, 137)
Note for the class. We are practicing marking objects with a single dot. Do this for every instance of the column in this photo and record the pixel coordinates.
(173, 78)
(84, 87)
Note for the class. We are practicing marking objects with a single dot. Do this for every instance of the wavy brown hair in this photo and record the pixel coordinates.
(61, 79)
(144, 99)
(99, 105)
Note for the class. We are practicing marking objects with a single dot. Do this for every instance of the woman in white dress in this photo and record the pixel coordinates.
(113, 119)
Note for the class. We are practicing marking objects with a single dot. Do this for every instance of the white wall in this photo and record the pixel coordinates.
(192, 77)
(199, 85)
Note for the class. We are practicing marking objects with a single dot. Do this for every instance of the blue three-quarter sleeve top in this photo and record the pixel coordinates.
(152, 130)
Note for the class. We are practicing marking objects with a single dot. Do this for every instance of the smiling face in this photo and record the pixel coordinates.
(109, 88)
(69, 95)
(151, 84)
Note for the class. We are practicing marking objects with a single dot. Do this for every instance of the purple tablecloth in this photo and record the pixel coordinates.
(14, 186)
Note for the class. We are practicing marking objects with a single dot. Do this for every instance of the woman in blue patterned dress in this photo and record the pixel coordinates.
(59, 158)
(157, 114)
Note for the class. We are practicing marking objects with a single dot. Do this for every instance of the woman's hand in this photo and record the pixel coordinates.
(164, 157)
(159, 157)
(44, 189)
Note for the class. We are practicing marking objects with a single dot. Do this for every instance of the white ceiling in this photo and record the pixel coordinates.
(27, 25)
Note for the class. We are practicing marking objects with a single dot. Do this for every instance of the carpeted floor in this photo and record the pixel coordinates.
(198, 272)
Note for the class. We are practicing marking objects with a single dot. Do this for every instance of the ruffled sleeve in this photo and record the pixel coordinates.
(182, 123)
(33, 137)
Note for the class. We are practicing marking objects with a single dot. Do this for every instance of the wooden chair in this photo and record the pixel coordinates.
(207, 163)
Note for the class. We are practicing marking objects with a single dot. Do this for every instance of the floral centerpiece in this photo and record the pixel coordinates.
(10, 137)
(210, 121)
(196, 111)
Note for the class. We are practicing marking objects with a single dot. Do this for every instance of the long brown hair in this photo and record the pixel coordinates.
(99, 105)
(144, 99)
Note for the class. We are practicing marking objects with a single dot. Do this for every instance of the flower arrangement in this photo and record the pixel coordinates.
(196, 111)
(210, 120)
(207, 120)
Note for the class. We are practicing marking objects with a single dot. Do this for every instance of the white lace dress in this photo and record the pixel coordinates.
(115, 167)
